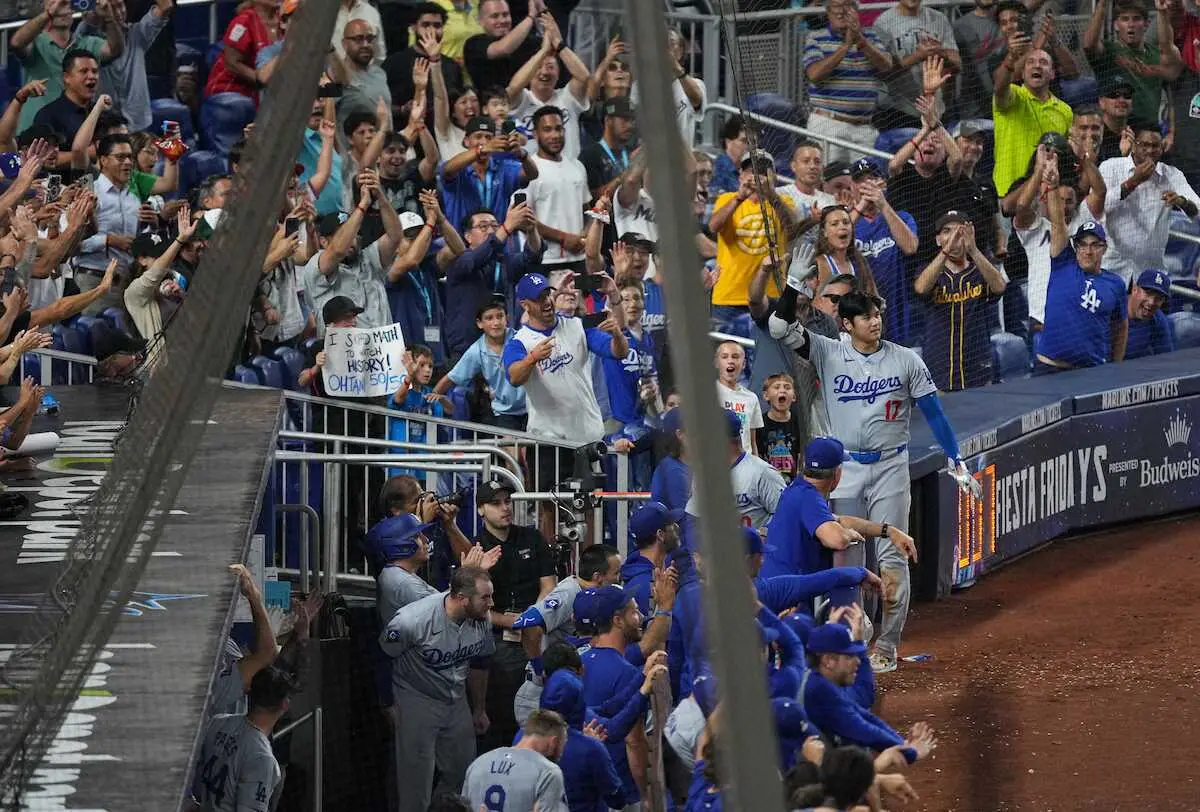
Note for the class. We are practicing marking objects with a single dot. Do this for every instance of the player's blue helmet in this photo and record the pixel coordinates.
(396, 537)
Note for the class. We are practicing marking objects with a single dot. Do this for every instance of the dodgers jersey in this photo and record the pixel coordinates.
(868, 398)
(1081, 309)
(430, 652)
(397, 588)
(556, 610)
(756, 489)
(236, 771)
(509, 779)
(559, 395)
(229, 693)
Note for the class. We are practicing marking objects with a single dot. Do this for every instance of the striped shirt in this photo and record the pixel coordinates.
(851, 89)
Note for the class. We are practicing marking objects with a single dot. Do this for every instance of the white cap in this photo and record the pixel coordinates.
(410, 220)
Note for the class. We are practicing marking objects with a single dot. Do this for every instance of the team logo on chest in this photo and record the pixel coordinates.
(848, 388)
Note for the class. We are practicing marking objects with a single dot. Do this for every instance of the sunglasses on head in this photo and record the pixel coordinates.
(827, 210)
(1119, 94)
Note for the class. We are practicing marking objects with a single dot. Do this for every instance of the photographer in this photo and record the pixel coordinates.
(524, 574)
(447, 544)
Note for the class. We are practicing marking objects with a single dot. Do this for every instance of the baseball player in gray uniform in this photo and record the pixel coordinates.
(868, 387)
(509, 779)
(236, 669)
(551, 620)
(756, 484)
(433, 643)
(236, 771)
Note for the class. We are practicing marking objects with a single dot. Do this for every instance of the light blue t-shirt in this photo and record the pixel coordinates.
(479, 360)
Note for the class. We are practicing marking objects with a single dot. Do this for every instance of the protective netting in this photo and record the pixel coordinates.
(121, 529)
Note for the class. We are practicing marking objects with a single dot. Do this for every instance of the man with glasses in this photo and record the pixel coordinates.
(487, 268)
(1116, 103)
(365, 82)
(843, 64)
(360, 10)
(1142, 191)
(116, 219)
(1150, 67)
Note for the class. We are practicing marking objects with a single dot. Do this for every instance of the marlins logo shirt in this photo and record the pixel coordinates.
(869, 397)
(237, 772)
(430, 652)
(957, 346)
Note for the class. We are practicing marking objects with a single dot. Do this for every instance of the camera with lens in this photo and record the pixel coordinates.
(455, 498)
(589, 466)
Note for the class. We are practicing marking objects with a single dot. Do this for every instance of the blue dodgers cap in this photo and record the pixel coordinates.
(531, 286)
(673, 420)
(594, 606)
(1155, 280)
(10, 164)
(824, 454)
(652, 517)
(735, 424)
(833, 638)
(396, 537)
(1090, 229)
(766, 634)
(754, 542)
(865, 166)
(802, 624)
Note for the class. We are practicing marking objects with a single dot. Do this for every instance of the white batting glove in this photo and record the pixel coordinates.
(803, 267)
(966, 483)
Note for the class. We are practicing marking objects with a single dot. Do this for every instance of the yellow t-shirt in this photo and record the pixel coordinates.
(1018, 130)
(742, 246)
(460, 27)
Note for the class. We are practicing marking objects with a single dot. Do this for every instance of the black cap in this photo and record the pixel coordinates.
(836, 169)
(150, 244)
(480, 124)
(760, 159)
(112, 342)
(639, 240)
(338, 308)
(620, 107)
(949, 217)
(328, 225)
(1114, 81)
(863, 167)
(488, 491)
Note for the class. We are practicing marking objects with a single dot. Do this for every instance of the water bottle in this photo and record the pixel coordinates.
(49, 404)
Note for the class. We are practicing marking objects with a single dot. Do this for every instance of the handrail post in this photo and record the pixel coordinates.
(333, 510)
(318, 760)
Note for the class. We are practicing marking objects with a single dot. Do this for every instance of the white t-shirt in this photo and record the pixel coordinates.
(746, 404)
(559, 394)
(686, 116)
(1036, 242)
(558, 196)
(640, 217)
(805, 204)
(564, 100)
(452, 143)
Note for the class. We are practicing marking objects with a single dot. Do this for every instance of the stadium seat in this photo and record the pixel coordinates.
(1182, 256)
(458, 397)
(98, 329)
(293, 363)
(198, 165)
(779, 143)
(31, 367)
(1078, 92)
(116, 317)
(270, 370)
(1186, 326)
(83, 326)
(310, 343)
(1010, 357)
(223, 116)
(244, 374)
(171, 110)
(892, 140)
(70, 339)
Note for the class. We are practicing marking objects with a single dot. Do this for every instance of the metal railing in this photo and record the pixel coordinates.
(70, 368)
(317, 717)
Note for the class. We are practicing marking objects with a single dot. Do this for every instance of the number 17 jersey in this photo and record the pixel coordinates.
(869, 398)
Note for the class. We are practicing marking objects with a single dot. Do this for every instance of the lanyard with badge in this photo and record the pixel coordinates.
(433, 333)
(624, 163)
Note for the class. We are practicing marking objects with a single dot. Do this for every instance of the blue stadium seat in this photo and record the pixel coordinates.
(1182, 256)
(1186, 326)
(172, 110)
(116, 317)
(98, 328)
(70, 339)
(31, 367)
(293, 362)
(1010, 357)
(213, 54)
(83, 326)
(270, 371)
(892, 140)
(198, 165)
(223, 116)
(243, 374)
(779, 143)
(1078, 92)
(310, 343)
(458, 397)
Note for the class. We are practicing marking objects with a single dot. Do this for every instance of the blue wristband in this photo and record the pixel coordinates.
(536, 664)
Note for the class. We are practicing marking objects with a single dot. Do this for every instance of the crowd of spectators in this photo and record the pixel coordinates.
(466, 174)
